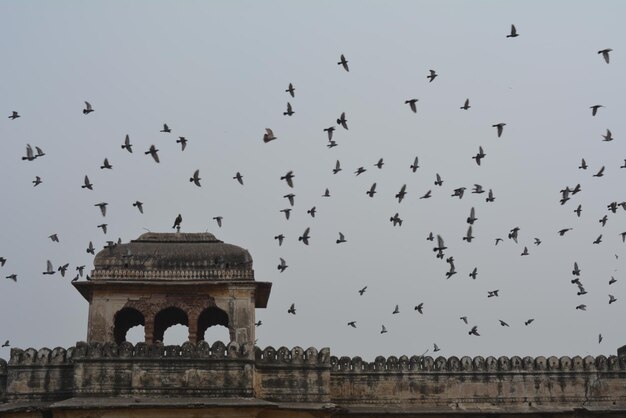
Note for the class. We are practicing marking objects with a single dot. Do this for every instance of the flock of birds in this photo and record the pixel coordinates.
(439, 245)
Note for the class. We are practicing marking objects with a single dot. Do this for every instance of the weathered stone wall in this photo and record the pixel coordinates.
(295, 375)
(435, 382)
(3, 380)
(103, 370)
(45, 375)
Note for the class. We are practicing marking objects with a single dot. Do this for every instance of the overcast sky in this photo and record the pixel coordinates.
(216, 73)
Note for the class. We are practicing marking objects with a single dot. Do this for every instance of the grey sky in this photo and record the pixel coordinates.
(216, 72)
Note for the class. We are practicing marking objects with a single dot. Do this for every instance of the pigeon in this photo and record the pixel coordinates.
(153, 152)
(599, 338)
(500, 127)
(127, 145)
(54, 238)
(537, 241)
(396, 310)
(581, 289)
(343, 62)
(623, 235)
(612, 299)
(474, 273)
(420, 308)
(525, 252)
(380, 163)
(598, 240)
(87, 184)
(183, 142)
(498, 240)
(288, 178)
(468, 236)
(435, 348)
(478, 157)
(426, 195)
(459, 192)
(504, 324)
(430, 237)
(280, 239)
(63, 269)
(466, 105)
(513, 234)
(239, 178)
(29, 153)
(305, 237)
(283, 265)
(88, 109)
(343, 121)
(411, 103)
(492, 293)
(37, 181)
(268, 135)
(582, 307)
(326, 193)
(218, 219)
(196, 178)
(289, 111)
(583, 165)
(49, 268)
(138, 205)
(464, 319)
(529, 321)
(371, 191)
(578, 210)
(290, 197)
(513, 33)
(490, 196)
(400, 195)
(594, 109)
(352, 324)
(415, 165)
(106, 164)
(608, 136)
(478, 189)
(452, 270)
(361, 291)
(330, 131)
(440, 247)
(360, 171)
(166, 128)
(337, 167)
(438, 181)
(431, 76)
(474, 331)
(177, 221)
(383, 330)
(312, 212)
(104, 227)
(562, 232)
(258, 323)
(80, 270)
(331, 144)
(12, 277)
(291, 90)
(472, 217)
(341, 239)
(103, 207)
(624, 165)
(2, 261)
(90, 249)
(395, 219)
(6, 344)
(14, 115)
(605, 54)
(292, 309)
(613, 280)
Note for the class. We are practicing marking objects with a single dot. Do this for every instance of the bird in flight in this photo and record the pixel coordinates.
(305, 236)
(608, 136)
(288, 178)
(360, 171)
(6, 344)
(196, 178)
(481, 154)
(513, 33)
(612, 299)
(166, 128)
(330, 131)
(106, 165)
(361, 291)
(127, 145)
(283, 265)
(464, 319)
(292, 309)
(431, 76)
(326, 193)
(343, 121)
(474, 331)
(525, 252)
(90, 249)
(291, 90)
(474, 273)
(396, 310)
(218, 219)
(183, 142)
(420, 308)
(138, 205)
(344, 63)
(594, 109)
(528, 322)
(352, 324)
(88, 109)
(605, 54)
(466, 105)
(583, 165)
(289, 111)
(37, 181)
(438, 181)
(153, 152)
(54, 238)
(341, 239)
(415, 165)
(500, 128)
(440, 247)
(492, 293)
(312, 212)
(383, 330)
(87, 184)
(49, 268)
(280, 239)
(12, 277)
(395, 219)
(290, 197)
(380, 163)
(239, 178)
(490, 197)
(468, 236)
(504, 324)
(103, 207)
(103, 227)
(14, 115)
(400, 195)
(29, 153)
(268, 135)
(412, 105)
(426, 195)
(337, 167)
(472, 217)
(371, 191)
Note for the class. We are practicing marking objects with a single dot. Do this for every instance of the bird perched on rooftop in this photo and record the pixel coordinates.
(153, 151)
(166, 128)
(400, 195)
(605, 54)
(239, 178)
(371, 191)
(594, 109)
(344, 63)
(292, 309)
(412, 104)
(283, 265)
(183, 142)
(138, 205)
(342, 121)
(305, 236)
(415, 165)
(289, 111)
(500, 128)
(218, 219)
(466, 105)
(49, 268)
(361, 291)
(312, 212)
(513, 33)
(90, 249)
(106, 165)
(341, 239)
(177, 221)
(481, 154)
(268, 135)
(14, 115)
(291, 90)
(288, 178)
(431, 76)
(196, 178)
(352, 324)
(88, 109)
(280, 238)
(420, 308)
(127, 145)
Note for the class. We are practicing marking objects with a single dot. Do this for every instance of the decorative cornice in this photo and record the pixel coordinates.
(183, 274)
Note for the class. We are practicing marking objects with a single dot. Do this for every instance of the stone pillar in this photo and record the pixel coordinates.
(192, 326)
(149, 327)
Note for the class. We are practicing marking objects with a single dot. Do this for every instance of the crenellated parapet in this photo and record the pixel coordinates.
(503, 364)
(294, 357)
(3, 380)
(203, 350)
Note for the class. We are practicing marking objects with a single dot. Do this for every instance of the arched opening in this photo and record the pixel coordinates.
(126, 319)
(207, 329)
(167, 318)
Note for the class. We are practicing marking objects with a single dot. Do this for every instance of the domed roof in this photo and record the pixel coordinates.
(174, 256)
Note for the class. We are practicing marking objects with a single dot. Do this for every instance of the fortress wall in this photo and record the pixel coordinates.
(44, 375)
(427, 381)
(3, 380)
(158, 370)
(293, 375)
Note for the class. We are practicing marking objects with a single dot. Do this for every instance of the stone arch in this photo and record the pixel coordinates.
(125, 319)
(166, 318)
(213, 316)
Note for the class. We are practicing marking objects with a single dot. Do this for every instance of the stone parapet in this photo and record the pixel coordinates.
(173, 275)
(3, 380)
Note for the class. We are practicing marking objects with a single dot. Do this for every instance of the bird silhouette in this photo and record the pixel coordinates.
(459, 192)
(436, 348)
(612, 299)
(290, 197)
(344, 63)
(562, 232)
(352, 324)
(138, 205)
(218, 219)
(383, 330)
(438, 181)
(196, 178)
(608, 136)
(412, 104)
(342, 121)
(312, 212)
(283, 265)
(6, 344)
(371, 191)
(305, 236)
(420, 308)
(395, 220)
(466, 105)
(49, 268)
(528, 322)
(292, 309)
(468, 236)
(594, 109)
(268, 135)
(329, 131)
(291, 90)
(431, 76)
(103, 227)
(2, 261)
(106, 165)
(288, 178)
(289, 111)
(326, 193)
(337, 167)
(54, 238)
(582, 307)
(598, 240)
(513, 33)
(177, 221)
(239, 178)
(103, 207)
(474, 331)
(166, 128)
(493, 293)
(525, 252)
(490, 196)
(153, 152)
(127, 145)
(14, 115)
(605, 54)
(380, 163)
(472, 217)
(464, 319)
(478, 157)
(400, 195)
(183, 142)
(502, 323)
(37, 181)
(500, 127)
(87, 184)
(90, 249)
(280, 239)
(80, 270)
(62, 269)
(29, 153)
(440, 247)
(426, 195)
(474, 273)
(361, 291)
(430, 237)
(12, 277)
(396, 310)
(583, 165)
(88, 109)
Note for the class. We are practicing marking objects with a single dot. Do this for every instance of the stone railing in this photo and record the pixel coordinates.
(296, 356)
(478, 364)
(182, 274)
(203, 350)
